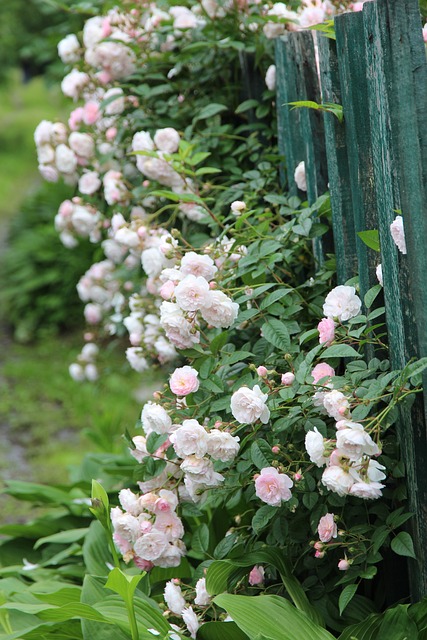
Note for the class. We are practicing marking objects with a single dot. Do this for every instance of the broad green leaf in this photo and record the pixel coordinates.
(370, 238)
(246, 105)
(270, 616)
(262, 517)
(402, 545)
(200, 540)
(220, 631)
(340, 351)
(236, 356)
(73, 610)
(371, 295)
(346, 595)
(123, 584)
(274, 296)
(63, 537)
(96, 555)
(365, 630)
(261, 454)
(276, 332)
(397, 625)
(210, 110)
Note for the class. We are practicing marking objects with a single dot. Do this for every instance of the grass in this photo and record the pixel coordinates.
(48, 421)
(22, 107)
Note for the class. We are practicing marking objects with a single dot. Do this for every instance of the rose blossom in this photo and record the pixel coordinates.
(192, 293)
(174, 598)
(342, 303)
(256, 575)
(89, 183)
(202, 598)
(219, 310)
(327, 528)
(190, 438)
(355, 442)
(320, 371)
(336, 404)
(65, 159)
(326, 329)
(287, 378)
(222, 445)
(198, 265)
(270, 77)
(343, 564)
(167, 140)
(190, 619)
(315, 447)
(379, 274)
(249, 405)
(398, 234)
(184, 381)
(367, 490)
(150, 546)
(155, 418)
(336, 479)
(237, 207)
(300, 177)
(273, 487)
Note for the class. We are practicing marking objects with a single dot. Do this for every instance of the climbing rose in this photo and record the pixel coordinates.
(256, 575)
(174, 598)
(270, 77)
(320, 371)
(202, 598)
(326, 329)
(336, 404)
(342, 303)
(191, 621)
(184, 380)
(327, 528)
(273, 487)
(248, 405)
(398, 234)
(300, 177)
(315, 447)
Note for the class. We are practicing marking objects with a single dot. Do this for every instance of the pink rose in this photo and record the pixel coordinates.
(262, 371)
(288, 378)
(322, 370)
(343, 564)
(91, 113)
(327, 528)
(184, 381)
(273, 487)
(326, 329)
(256, 575)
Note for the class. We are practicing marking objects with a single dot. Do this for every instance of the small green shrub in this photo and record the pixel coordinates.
(38, 274)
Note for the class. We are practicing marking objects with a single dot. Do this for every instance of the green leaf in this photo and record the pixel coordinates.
(397, 625)
(402, 545)
(261, 454)
(371, 295)
(236, 356)
(277, 334)
(220, 631)
(345, 596)
(270, 616)
(341, 351)
(63, 537)
(200, 541)
(123, 584)
(246, 105)
(365, 630)
(95, 550)
(155, 440)
(262, 517)
(370, 238)
(210, 110)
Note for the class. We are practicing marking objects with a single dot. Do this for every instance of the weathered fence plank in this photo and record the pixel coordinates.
(336, 153)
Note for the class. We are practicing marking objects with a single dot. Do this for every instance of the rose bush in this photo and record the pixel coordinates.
(268, 462)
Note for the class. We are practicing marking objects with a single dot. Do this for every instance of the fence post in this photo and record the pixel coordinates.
(338, 170)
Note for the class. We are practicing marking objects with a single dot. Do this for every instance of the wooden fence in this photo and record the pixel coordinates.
(375, 162)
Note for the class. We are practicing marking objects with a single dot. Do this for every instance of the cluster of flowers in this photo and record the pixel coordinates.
(350, 467)
(147, 529)
(85, 367)
(76, 217)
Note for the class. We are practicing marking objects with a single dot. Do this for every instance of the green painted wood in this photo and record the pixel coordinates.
(382, 91)
(338, 169)
(354, 90)
(301, 134)
(289, 127)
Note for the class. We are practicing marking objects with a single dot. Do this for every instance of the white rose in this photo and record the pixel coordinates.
(300, 177)
(127, 237)
(335, 404)
(367, 490)
(82, 144)
(355, 442)
(197, 265)
(202, 598)
(73, 84)
(238, 207)
(68, 49)
(45, 154)
(270, 77)
(315, 447)
(398, 234)
(125, 525)
(337, 480)
(196, 466)
(65, 159)
(89, 183)
(155, 418)
(222, 445)
(117, 105)
(76, 371)
(192, 293)
(142, 141)
(174, 598)
(136, 359)
(342, 303)
(93, 31)
(43, 132)
(179, 330)
(219, 310)
(171, 556)
(151, 545)
(83, 220)
(130, 502)
(153, 261)
(190, 438)
(167, 140)
(379, 274)
(249, 405)
(191, 621)
(140, 452)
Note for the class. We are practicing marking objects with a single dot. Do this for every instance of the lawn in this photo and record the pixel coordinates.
(22, 106)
